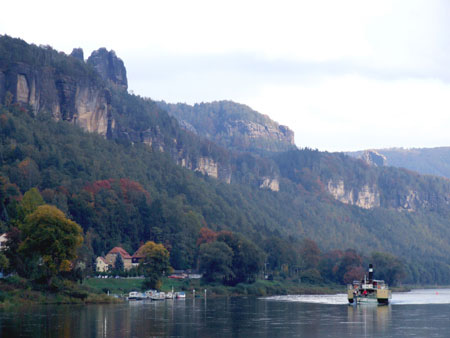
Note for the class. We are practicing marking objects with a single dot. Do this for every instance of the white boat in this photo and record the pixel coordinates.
(158, 296)
(180, 295)
(150, 293)
(369, 290)
(134, 295)
(169, 295)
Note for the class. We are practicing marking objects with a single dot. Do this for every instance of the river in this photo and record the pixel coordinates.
(420, 313)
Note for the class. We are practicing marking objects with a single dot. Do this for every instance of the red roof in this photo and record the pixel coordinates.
(121, 251)
(138, 253)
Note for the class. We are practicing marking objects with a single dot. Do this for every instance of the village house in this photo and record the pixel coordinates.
(108, 262)
(137, 256)
(111, 257)
(101, 265)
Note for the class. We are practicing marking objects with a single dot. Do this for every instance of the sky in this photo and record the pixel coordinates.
(343, 75)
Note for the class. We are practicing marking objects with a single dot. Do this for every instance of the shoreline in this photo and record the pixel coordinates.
(19, 292)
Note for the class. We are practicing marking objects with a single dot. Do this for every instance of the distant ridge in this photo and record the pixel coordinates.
(428, 161)
(233, 125)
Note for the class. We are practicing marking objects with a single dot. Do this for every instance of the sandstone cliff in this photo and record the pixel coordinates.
(109, 66)
(366, 197)
(66, 98)
(372, 157)
(233, 125)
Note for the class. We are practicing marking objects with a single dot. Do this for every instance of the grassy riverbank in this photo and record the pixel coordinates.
(259, 288)
(16, 291)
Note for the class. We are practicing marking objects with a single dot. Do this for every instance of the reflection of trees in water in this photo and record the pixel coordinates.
(368, 318)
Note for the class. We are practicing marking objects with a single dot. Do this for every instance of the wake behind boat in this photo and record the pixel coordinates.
(368, 290)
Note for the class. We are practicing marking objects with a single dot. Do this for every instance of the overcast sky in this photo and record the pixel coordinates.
(344, 75)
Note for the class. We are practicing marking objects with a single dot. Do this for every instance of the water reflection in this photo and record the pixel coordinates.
(368, 318)
(229, 317)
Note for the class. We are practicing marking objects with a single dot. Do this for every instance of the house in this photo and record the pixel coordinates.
(101, 265)
(111, 257)
(137, 256)
(3, 240)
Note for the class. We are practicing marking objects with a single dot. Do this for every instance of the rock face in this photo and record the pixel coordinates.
(233, 125)
(270, 183)
(109, 66)
(370, 196)
(207, 166)
(367, 197)
(78, 54)
(373, 158)
(47, 90)
(256, 130)
(47, 81)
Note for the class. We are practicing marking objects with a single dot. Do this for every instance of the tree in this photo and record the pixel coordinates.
(387, 267)
(4, 262)
(279, 252)
(206, 236)
(30, 201)
(154, 264)
(248, 260)
(216, 260)
(351, 260)
(310, 254)
(118, 264)
(52, 238)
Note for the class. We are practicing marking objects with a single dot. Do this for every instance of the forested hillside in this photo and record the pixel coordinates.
(132, 174)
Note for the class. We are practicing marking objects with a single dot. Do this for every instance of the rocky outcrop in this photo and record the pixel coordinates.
(256, 130)
(78, 54)
(207, 166)
(109, 66)
(270, 183)
(233, 125)
(65, 98)
(373, 158)
(366, 197)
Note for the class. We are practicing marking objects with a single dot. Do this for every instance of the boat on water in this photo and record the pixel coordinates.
(150, 293)
(368, 290)
(180, 295)
(134, 295)
(158, 296)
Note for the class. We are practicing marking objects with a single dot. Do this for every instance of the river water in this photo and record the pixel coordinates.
(420, 313)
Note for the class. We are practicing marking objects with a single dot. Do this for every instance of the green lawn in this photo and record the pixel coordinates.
(113, 285)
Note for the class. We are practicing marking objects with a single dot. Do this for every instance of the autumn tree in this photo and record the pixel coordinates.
(349, 266)
(155, 263)
(52, 239)
(206, 235)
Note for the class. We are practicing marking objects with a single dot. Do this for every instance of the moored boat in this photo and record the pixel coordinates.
(150, 293)
(180, 295)
(134, 295)
(158, 296)
(368, 290)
